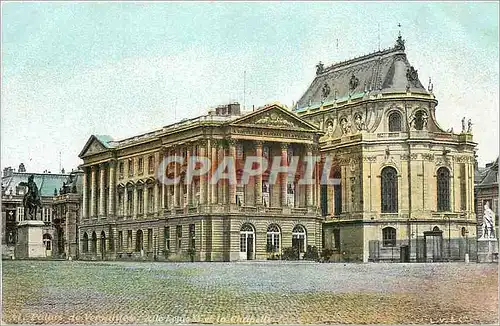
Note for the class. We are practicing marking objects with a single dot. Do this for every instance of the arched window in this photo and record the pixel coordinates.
(138, 241)
(443, 189)
(394, 122)
(299, 238)
(94, 242)
(389, 237)
(247, 243)
(85, 242)
(273, 238)
(389, 190)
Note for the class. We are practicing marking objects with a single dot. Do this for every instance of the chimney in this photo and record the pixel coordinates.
(22, 168)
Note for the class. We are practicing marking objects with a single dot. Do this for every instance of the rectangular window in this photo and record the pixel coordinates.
(121, 170)
(166, 236)
(150, 239)
(130, 167)
(141, 165)
(192, 235)
(140, 201)
(243, 242)
(151, 164)
(129, 239)
(179, 237)
(336, 239)
(120, 240)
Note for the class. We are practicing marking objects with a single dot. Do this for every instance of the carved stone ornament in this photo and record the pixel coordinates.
(358, 121)
(274, 120)
(400, 44)
(345, 125)
(325, 91)
(412, 76)
(329, 129)
(419, 120)
(320, 68)
(353, 83)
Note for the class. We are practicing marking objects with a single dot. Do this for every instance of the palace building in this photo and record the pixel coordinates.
(406, 190)
(407, 185)
(128, 213)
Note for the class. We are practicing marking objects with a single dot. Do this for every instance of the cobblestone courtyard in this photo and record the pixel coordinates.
(257, 292)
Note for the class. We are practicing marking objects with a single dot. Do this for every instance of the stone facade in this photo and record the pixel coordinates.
(127, 213)
(406, 189)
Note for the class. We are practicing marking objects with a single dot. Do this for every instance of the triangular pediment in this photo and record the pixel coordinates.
(93, 146)
(274, 116)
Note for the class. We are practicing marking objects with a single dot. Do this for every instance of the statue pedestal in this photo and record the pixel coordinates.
(487, 250)
(30, 240)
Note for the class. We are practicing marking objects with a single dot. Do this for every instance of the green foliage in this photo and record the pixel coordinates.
(290, 253)
(311, 253)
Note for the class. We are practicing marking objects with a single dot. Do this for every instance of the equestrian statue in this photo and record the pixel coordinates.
(31, 200)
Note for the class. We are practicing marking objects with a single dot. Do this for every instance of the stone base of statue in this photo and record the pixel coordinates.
(487, 250)
(30, 240)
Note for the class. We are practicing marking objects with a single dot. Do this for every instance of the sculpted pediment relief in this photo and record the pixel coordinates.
(274, 118)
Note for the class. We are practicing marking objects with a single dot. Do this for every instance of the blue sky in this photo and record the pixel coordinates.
(70, 70)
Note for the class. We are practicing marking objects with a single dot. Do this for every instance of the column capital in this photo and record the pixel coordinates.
(93, 168)
(284, 146)
(258, 143)
(203, 142)
(232, 141)
(112, 162)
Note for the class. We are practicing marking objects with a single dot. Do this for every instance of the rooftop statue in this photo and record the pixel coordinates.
(31, 200)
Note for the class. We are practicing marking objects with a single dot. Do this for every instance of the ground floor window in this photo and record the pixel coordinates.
(246, 238)
(273, 238)
(389, 237)
(166, 236)
(120, 240)
(47, 241)
(299, 238)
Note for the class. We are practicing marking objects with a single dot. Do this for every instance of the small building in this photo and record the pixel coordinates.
(486, 191)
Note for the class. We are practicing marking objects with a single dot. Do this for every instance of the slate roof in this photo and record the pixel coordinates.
(490, 175)
(382, 71)
(46, 182)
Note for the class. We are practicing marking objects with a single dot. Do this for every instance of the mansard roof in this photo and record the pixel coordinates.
(490, 176)
(385, 71)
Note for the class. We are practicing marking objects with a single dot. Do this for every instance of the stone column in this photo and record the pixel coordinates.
(176, 186)
(189, 190)
(309, 187)
(163, 186)
(157, 209)
(125, 202)
(208, 154)
(221, 184)
(214, 168)
(145, 197)
(135, 210)
(102, 190)
(93, 188)
(112, 186)
(203, 178)
(85, 186)
(258, 178)
(232, 186)
(284, 176)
